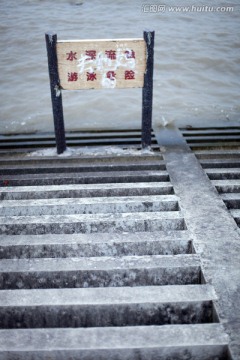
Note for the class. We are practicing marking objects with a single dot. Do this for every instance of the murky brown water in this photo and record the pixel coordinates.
(197, 63)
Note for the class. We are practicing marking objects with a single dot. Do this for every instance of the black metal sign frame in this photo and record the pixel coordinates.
(56, 96)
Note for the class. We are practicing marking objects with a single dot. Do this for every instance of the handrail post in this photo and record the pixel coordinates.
(56, 95)
(147, 91)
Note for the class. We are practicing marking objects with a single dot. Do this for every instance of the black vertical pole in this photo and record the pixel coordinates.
(51, 42)
(147, 91)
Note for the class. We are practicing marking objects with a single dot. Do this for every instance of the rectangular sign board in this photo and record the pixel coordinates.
(99, 64)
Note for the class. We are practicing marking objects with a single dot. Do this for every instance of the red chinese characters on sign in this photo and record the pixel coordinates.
(91, 76)
(108, 69)
(129, 75)
(111, 75)
(72, 76)
(71, 56)
(91, 54)
(111, 54)
(130, 54)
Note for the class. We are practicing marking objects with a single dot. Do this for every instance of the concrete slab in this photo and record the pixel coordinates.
(83, 159)
(100, 271)
(151, 203)
(89, 245)
(199, 342)
(75, 168)
(84, 178)
(224, 186)
(223, 174)
(220, 163)
(116, 306)
(218, 154)
(172, 220)
(85, 190)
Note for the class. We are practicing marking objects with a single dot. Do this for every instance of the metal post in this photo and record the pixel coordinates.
(147, 91)
(51, 42)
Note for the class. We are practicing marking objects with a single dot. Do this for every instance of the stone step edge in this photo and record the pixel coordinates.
(83, 159)
(108, 186)
(234, 182)
(85, 190)
(107, 296)
(80, 169)
(89, 201)
(91, 245)
(86, 218)
(231, 196)
(86, 174)
(108, 338)
(82, 206)
(102, 263)
(222, 170)
(71, 224)
(108, 238)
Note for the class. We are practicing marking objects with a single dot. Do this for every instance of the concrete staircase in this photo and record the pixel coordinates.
(221, 161)
(97, 262)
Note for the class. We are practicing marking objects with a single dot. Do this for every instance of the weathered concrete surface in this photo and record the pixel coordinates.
(89, 245)
(94, 205)
(99, 272)
(131, 265)
(82, 168)
(90, 223)
(223, 174)
(85, 178)
(86, 190)
(100, 307)
(42, 161)
(215, 234)
(224, 186)
(198, 342)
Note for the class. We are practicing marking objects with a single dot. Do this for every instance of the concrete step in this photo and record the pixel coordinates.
(89, 245)
(84, 178)
(89, 205)
(93, 134)
(223, 174)
(43, 161)
(231, 200)
(24, 151)
(100, 307)
(213, 138)
(172, 342)
(29, 144)
(81, 168)
(85, 190)
(206, 131)
(100, 272)
(69, 224)
(218, 145)
(227, 186)
(236, 215)
(220, 163)
(218, 154)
